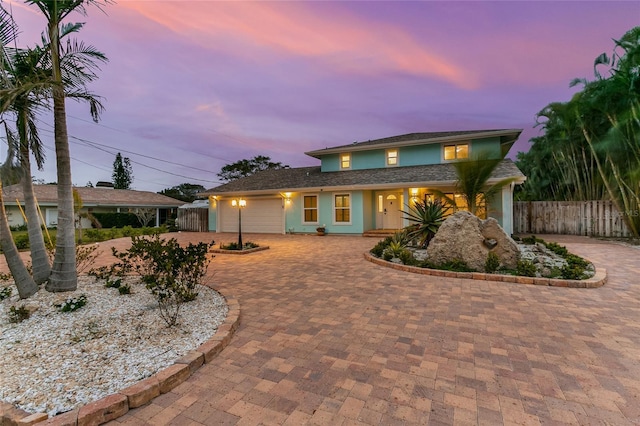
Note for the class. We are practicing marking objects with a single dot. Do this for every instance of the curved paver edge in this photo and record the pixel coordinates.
(118, 404)
(598, 279)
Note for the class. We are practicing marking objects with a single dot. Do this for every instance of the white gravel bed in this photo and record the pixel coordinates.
(55, 361)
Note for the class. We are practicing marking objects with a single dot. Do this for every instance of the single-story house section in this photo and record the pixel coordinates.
(94, 200)
(362, 186)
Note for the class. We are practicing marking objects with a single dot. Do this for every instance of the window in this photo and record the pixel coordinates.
(342, 208)
(456, 152)
(345, 161)
(310, 209)
(392, 157)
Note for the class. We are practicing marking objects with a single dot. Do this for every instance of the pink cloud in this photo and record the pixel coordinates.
(329, 34)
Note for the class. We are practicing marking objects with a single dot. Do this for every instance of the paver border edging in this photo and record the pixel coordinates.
(115, 405)
(245, 251)
(598, 279)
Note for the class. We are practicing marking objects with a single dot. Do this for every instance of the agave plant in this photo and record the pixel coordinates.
(428, 216)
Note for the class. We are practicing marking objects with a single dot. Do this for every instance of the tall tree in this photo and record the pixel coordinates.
(64, 275)
(590, 149)
(187, 192)
(473, 183)
(20, 67)
(244, 168)
(122, 172)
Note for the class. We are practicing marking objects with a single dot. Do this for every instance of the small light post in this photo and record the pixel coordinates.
(240, 203)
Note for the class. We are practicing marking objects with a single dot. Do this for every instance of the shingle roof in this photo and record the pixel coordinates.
(48, 194)
(285, 180)
(506, 135)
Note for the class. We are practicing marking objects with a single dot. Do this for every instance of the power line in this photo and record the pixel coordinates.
(113, 151)
(108, 170)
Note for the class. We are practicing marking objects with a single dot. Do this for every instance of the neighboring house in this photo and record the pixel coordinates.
(362, 186)
(94, 200)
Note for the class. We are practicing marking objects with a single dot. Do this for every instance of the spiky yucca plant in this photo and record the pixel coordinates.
(428, 216)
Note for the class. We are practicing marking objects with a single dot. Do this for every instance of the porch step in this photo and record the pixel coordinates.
(379, 233)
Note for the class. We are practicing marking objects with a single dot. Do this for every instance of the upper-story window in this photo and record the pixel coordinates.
(345, 161)
(456, 151)
(392, 157)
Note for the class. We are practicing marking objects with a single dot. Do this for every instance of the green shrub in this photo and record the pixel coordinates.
(16, 228)
(526, 268)
(85, 256)
(127, 231)
(492, 264)
(5, 292)
(17, 315)
(124, 289)
(456, 265)
(169, 271)
(113, 282)
(378, 249)
(94, 234)
(406, 257)
(72, 304)
(22, 241)
(531, 240)
(557, 249)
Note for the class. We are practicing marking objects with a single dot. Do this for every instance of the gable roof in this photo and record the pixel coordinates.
(91, 197)
(507, 137)
(311, 178)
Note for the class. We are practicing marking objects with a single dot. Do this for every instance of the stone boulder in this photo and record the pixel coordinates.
(464, 236)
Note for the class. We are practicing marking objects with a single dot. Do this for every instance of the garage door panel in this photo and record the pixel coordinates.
(262, 216)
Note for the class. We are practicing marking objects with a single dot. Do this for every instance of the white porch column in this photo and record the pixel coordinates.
(507, 208)
(157, 217)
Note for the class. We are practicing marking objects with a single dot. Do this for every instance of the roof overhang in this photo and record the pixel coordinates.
(507, 137)
(370, 187)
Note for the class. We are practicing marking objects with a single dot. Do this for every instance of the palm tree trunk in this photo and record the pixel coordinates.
(39, 256)
(41, 268)
(25, 284)
(64, 276)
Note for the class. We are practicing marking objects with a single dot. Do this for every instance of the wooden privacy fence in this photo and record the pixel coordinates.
(193, 219)
(593, 218)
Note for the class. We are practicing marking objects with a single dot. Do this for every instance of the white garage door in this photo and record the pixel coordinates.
(259, 215)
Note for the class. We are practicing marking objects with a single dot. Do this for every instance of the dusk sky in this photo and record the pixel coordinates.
(193, 85)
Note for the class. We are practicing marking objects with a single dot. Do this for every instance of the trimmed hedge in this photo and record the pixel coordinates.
(117, 220)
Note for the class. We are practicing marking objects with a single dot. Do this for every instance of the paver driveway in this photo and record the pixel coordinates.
(328, 338)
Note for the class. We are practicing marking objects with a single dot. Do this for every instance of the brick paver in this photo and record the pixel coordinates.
(327, 338)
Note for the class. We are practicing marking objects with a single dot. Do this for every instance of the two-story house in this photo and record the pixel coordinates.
(362, 186)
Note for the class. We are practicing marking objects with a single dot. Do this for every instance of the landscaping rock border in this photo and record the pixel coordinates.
(598, 280)
(113, 406)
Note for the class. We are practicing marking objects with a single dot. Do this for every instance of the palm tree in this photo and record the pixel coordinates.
(472, 182)
(63, 275)
(23, 280)
(25, 68)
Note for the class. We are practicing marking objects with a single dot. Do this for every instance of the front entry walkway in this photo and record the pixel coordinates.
(328, 338)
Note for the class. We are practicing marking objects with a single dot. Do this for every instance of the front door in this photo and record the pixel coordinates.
(390, 210)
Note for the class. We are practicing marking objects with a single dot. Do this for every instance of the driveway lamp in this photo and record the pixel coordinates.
(240, 203)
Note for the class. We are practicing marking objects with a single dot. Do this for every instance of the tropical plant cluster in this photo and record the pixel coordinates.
(401, 248)
(34, 81)
(169, 271)
(234, 246)
(590, 148)
(575, 268)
